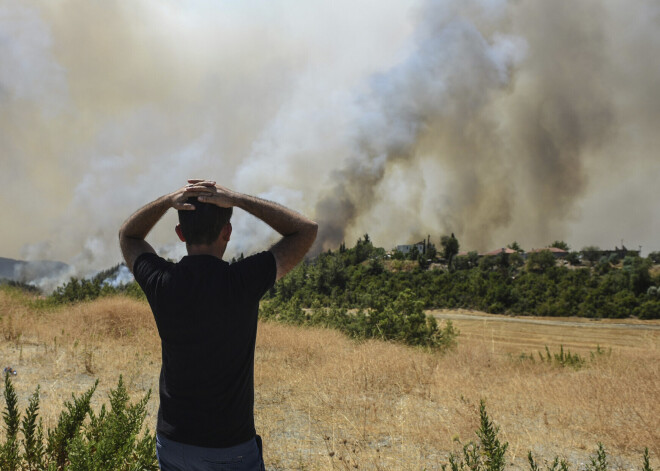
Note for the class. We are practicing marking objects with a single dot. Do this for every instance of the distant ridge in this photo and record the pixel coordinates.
(20, 270)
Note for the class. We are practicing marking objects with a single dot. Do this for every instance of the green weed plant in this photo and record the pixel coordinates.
(564, 358)
(82, 440)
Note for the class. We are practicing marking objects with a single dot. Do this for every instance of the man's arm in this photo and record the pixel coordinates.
(135, 229)
(298, 231)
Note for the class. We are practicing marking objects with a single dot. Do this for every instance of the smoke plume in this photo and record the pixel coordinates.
(495, 120)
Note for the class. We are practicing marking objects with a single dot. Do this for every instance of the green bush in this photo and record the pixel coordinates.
(654, 257)
(649, 309)
(401, 320)
(81, 440)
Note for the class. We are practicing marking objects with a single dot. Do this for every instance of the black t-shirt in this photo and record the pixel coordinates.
(206, 314)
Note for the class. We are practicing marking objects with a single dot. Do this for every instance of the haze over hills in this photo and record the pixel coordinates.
(31, 271)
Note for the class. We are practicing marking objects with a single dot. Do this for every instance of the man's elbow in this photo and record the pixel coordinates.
(311, 230)
(125, 241)
(122, 232)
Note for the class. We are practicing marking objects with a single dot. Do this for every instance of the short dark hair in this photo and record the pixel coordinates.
(202, 226)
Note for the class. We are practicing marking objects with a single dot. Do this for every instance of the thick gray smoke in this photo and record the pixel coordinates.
(505, 106)
(430, 106)
(494, 120)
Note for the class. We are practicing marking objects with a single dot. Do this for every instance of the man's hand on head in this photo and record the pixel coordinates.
(200, 182)
(209, 192)
(195, 188)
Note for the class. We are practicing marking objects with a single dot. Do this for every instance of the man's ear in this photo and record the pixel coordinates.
(225, 233)
(179, 232)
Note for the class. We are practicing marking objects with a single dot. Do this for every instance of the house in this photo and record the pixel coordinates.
(503, 250)
(406, 249)
(617, 253)
(558, 253)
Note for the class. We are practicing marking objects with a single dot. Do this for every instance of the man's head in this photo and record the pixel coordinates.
(203, 225)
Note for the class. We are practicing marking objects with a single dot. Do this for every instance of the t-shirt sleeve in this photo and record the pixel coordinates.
(147, 270)
(255, 274)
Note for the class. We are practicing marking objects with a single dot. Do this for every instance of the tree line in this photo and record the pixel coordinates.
(366, 277)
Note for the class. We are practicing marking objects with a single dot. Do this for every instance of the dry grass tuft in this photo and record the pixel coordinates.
(324, 401)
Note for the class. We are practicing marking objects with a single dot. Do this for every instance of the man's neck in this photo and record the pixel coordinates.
(216, 250)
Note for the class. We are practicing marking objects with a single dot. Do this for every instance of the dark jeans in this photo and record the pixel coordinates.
(175, 456)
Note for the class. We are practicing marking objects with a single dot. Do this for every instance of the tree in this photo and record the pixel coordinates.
(591, 253)
(422, 261)
(638, 268)
(540, 261)
(654, 257)
(487, 262)
(515, 246)
(414, 253)
(603, 266)
(362, 250)
(450, 247)
(431, 252)
(516, 260)
(573, 258)
(473, 258)
(375, 267)
(560, 244)
(502, 260)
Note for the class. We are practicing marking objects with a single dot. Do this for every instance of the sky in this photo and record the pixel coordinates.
(494, 120)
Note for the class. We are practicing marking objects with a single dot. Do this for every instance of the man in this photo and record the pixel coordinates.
(206, 313)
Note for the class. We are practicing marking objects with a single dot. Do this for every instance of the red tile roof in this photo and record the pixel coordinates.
(506, 250)
(549, 249)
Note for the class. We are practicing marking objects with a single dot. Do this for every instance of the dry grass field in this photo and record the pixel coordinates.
(326, 402)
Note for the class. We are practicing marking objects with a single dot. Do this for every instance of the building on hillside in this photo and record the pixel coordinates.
(493, 253)
(406, 249)
(617, 253)
(558, 253)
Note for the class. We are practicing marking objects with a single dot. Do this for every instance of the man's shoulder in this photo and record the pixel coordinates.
(265, 259)
(152, 259)
(256, 272)
(148, 263)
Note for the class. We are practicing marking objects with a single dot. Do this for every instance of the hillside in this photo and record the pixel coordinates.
(19, 270)
(7, 267)
(324, 401)
(362, 277)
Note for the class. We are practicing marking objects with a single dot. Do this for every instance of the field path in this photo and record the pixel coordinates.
(454, 315)
(516, 334)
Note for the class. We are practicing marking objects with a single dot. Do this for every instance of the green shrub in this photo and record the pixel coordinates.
(9, 453)
(401, 320)
(81, 440)
(649, 309)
